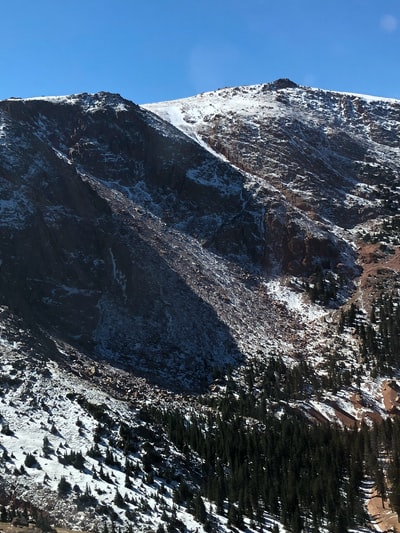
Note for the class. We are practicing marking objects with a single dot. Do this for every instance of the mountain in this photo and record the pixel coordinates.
(211, 266)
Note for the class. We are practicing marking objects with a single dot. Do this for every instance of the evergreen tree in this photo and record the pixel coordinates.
(63, 487)
(118, 499)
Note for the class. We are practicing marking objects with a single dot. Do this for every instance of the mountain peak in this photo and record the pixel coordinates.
(88, 102)
(282, 83)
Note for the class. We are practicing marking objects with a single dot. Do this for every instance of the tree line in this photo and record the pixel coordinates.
(309, 476)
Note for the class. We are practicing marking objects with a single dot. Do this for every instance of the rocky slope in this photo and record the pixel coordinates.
(151, 254)
(111, 219)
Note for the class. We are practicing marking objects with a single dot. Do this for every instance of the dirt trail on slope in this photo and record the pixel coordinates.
(380, 268)
(391, 397)
(373, 258)
(383, 517)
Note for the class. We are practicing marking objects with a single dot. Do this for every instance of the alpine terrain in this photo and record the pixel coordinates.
(199, 312)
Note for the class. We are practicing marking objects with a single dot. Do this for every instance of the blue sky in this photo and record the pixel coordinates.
(155, 50)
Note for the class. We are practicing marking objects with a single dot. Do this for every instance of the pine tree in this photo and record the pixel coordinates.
(118, 499)
(63, 487)
(199, 509)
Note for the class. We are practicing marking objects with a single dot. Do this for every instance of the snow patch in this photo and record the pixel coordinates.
(294, 301)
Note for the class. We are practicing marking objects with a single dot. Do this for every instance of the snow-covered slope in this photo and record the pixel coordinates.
(76, 451)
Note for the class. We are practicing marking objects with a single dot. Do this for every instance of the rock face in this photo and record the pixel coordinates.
(147, 236)
(331, 155)
(86, 184)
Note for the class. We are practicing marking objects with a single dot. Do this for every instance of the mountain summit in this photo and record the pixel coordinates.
(179, 249)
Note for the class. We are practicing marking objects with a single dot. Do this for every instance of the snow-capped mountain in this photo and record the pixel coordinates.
(155, 259)
(331, 154)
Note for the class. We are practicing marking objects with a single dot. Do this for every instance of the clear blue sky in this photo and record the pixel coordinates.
(154, 50)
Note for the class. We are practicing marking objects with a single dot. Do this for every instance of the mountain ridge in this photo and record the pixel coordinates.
(183, 257)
